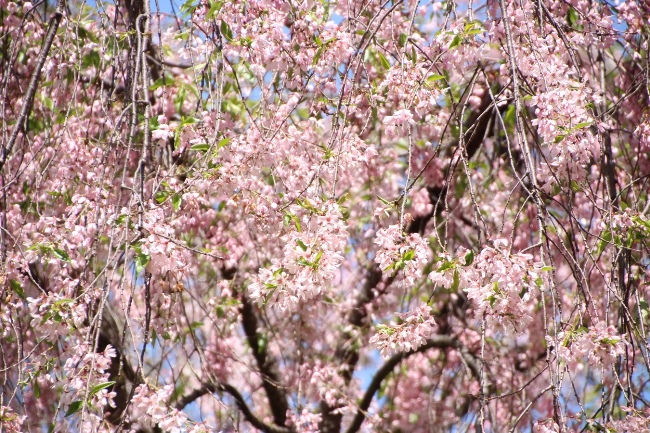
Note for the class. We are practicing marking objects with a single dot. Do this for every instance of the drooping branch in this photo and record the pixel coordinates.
(438, 341)
(212, 387)
(53, 26)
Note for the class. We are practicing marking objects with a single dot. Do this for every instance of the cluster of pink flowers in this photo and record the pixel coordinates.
(420, 202)
(85, 370)
(399, 122)
(150, 407)
(634, 421)
(163, 255)
(546, 426)
(311, 258)
(10, 421)
(54, 315)
(398, 252)
(499, 283)
(328, 384)
(305, 422)
(598, 344)
(410, 331)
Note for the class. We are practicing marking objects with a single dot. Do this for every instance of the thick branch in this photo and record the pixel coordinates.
(439, 341)
(53, 26)
(266, 364)
(476, 127)
(210, 387)
(346, 353)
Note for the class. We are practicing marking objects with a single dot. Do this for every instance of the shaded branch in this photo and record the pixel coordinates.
(438, 341)
(211, 387)
(267, 365)
(347, 355)
(53, 26)
(476, 128)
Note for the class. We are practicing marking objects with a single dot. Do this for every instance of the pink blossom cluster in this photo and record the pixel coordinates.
(408, 332)
(634, 421)
(599, 344)
(420, 202)
(10, 421)
(150, 407)
(500, 284)
(310, 260)
(54, 315)
(305, 422)
(399, 123)
(328, 383)
(398, 252)
(642, 136)
(85, 370)
(546, 426)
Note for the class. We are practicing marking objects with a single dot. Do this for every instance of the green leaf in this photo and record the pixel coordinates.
(223, 142)
(445, 266)
(435, 77)
(226, 31)
(469, 258)
(74, 408)
(456, 281)
(141, 262)
(120, 219)
(215, 7)
(161, 196)
(582, 125)
(37, 389)
(409, 255)
(509, 118)
(383, 60)
(455, 42)
(61, 254)
(17, 288)
(610, 340)
(189, 121)
(201, 147)
(402, 40)
(384, 201)
(319, 52)
(572, 16)
(176, 201)
(304, 262)
(91, 59)
(317, 259)
(605, 239)
(95, 389)
(301, 244)
(546, 268)
(64, 301)
(165, 80)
